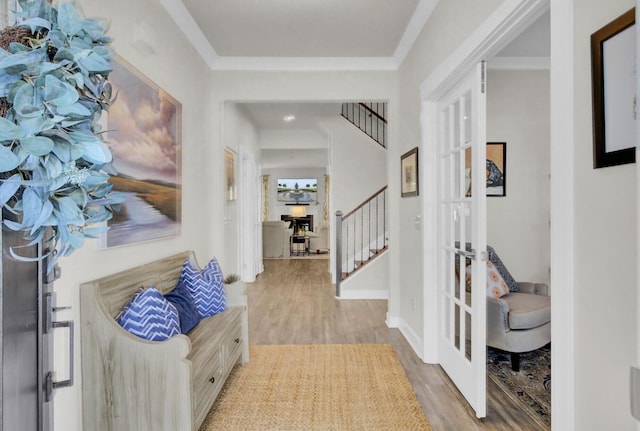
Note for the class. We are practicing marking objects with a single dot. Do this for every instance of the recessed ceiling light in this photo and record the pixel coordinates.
(289, 118)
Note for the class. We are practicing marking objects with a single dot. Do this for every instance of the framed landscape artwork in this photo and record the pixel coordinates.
(613, 73)
(145, 133)
(409, 172)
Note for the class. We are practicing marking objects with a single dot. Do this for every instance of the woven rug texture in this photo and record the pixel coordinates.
(318, 387)
(531, 386)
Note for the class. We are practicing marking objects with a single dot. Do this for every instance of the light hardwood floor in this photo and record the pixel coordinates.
(293, 302)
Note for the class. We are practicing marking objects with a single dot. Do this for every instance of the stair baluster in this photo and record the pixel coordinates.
(361, 239)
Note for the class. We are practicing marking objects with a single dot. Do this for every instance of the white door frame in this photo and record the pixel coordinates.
(248, 216)
(486, 41)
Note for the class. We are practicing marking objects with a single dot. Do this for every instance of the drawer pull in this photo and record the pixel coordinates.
(237, 341)
(212, 380)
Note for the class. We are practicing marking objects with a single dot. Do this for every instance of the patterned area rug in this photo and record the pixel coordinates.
(318, 387)
(531, 386)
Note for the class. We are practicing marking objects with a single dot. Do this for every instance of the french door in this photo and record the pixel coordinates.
(462, 239)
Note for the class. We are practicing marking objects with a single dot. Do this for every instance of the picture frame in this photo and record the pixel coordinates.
(613, 92)
(496, 176)
(231, 193)
(410, 179)
(144, 130)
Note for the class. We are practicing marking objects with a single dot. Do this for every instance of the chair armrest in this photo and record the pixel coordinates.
(497, 315)
(535, 288)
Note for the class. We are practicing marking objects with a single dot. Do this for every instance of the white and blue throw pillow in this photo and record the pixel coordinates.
(206, 287)
(150, 316)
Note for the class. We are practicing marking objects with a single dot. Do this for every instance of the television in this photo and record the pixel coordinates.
(297, 190)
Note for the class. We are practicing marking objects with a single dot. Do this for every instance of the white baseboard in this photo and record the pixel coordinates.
(412, 338)
(364, 294)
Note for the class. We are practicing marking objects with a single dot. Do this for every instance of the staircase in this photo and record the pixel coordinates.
(361, 234)
(369, 117)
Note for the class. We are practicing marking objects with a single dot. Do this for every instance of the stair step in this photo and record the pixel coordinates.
(362, 263)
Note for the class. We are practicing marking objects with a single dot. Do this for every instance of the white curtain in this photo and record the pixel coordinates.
(325, 206)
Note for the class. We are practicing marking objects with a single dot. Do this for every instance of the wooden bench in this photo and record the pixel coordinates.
(133, 384)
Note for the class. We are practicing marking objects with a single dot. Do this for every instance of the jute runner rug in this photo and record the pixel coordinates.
(318, 387)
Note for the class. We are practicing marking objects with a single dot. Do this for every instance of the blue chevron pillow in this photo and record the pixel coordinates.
(206, 287)
(150, 316)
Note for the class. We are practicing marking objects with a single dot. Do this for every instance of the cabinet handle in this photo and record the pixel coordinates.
(212, 380)
(237, 340)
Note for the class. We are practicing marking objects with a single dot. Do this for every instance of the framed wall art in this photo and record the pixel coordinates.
(409, 171)
(145, 133)
(230, 174)
(496, 169)
(613, 57)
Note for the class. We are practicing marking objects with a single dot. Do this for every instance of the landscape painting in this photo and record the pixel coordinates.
(144, 131)
(297, 190)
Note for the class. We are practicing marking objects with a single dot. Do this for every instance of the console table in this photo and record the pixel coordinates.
(306, 221)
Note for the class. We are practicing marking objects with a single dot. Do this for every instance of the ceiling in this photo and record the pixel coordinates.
(316, 34)
(302, 28)
(309, 34)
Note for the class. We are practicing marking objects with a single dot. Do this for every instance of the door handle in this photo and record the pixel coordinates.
(50, 383)
(466, 254)
(472, 254)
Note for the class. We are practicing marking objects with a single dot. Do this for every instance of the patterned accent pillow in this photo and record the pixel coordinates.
(506, 275)
(150, 316)
(206, 287)
(496, 286)
(188, 314)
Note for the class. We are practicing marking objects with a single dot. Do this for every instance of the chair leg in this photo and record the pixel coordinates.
(515, 361)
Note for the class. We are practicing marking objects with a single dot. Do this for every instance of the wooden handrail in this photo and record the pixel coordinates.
(366, 201)
(380, 117)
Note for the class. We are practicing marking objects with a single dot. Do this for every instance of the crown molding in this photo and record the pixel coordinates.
(179, 13)
(417, 22)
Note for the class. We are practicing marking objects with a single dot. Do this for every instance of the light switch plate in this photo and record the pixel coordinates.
(634, 386)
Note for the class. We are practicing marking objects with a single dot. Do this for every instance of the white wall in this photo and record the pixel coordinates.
(239, 134)
(605, 253)
(177, 68)
(451, 23)
(276, 209)
(358, 166)
(518, 224)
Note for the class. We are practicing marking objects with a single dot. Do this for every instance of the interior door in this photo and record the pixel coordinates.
(462, 242)
(26, 345)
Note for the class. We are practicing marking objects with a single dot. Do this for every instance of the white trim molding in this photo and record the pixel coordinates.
(417, 22)
(495, 33)
(412, 338)
(562, 215)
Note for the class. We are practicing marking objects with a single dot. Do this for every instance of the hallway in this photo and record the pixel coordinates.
(293, 302)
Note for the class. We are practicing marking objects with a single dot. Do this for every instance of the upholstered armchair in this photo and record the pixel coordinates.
(519, 321)
(275, 239)
(319, 240)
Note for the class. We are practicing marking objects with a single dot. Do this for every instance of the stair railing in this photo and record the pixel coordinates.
(371, 118)
(361, 235)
